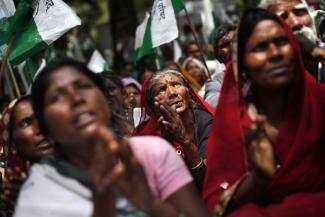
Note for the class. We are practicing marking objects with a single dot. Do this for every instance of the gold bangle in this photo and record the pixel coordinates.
(198, 165)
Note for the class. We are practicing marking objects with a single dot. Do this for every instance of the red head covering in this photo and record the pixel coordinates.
(149, 122)
(300, 145)
(9, 151)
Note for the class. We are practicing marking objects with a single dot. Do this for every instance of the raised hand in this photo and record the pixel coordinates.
(171, 122)
(259, 149)
(125, 173)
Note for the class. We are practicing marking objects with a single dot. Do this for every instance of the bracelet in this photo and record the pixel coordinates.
(198, 165)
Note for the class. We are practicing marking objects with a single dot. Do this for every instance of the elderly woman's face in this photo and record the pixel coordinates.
(197, 72)
(30, 143)
(269, 57)
(73, 106)
(172, 90)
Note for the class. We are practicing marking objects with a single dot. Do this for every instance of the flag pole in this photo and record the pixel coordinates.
(13, 78)
(197, 41)
(157, 63)
(6, 56)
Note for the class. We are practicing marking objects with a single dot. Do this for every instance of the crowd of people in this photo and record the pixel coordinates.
(244, 139)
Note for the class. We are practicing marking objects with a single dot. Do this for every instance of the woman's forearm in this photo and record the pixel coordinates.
(248, 191)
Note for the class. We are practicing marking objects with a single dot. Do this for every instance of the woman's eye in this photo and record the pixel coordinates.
(162, 90)
(260, 47)
(177, 85)
(83, 85)
(26, 122)
(281, 41)
(56, 97)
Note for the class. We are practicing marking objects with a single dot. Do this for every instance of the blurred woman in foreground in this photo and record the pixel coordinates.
(98, 171)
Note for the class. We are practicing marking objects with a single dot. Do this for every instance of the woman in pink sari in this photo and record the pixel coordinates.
(265, 154)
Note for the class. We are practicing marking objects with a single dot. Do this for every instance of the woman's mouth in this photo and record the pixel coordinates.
(279, 70)
(84, 119)
(176, 105)
(44, 144)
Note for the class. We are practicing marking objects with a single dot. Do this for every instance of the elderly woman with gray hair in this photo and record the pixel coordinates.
(175, 112)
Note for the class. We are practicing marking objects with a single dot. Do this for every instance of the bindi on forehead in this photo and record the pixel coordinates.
(167, 77)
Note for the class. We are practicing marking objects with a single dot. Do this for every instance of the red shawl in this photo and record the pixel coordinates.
(300, 145)
(149, 124)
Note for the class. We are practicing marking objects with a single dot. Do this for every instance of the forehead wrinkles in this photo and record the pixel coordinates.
(281, 7)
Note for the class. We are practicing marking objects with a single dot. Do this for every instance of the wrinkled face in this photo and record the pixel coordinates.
(197, 72)
(194, 51)
(172, 90)
(73, 107)
(223, 47)
(133, 99)
(269, 57)
(30, 143)
(293, 12)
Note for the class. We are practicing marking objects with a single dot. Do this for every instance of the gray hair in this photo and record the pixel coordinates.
(267, 3)
(155, 78)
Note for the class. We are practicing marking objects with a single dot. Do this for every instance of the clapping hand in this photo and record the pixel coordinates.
(259, 149)
(116, 167)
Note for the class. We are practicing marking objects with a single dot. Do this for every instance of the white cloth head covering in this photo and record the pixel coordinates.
(197, 62)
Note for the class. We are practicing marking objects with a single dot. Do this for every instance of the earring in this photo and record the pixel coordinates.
(244, 74)
(246, 89)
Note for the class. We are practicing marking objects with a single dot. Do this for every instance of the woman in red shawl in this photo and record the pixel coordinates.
(23, 145)
(175, 112)
(266, 148)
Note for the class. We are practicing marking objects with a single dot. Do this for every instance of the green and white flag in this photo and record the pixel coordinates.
(7, 9)
(143, 42)
(97, 63)
(51, 19)
(163, 21)
(158, 28)
(13, 21)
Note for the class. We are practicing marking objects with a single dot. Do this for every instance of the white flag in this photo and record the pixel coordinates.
(163, 23)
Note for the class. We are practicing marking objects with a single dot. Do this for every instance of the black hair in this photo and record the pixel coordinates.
(221, 31)
(114, 78)
(12, 118)
(41, 85)
(187, 46)
(249, 20)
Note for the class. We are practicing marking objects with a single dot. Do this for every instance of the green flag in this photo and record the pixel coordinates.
(51, 19)
(143, 42)
(158, 28)
(10, 25)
